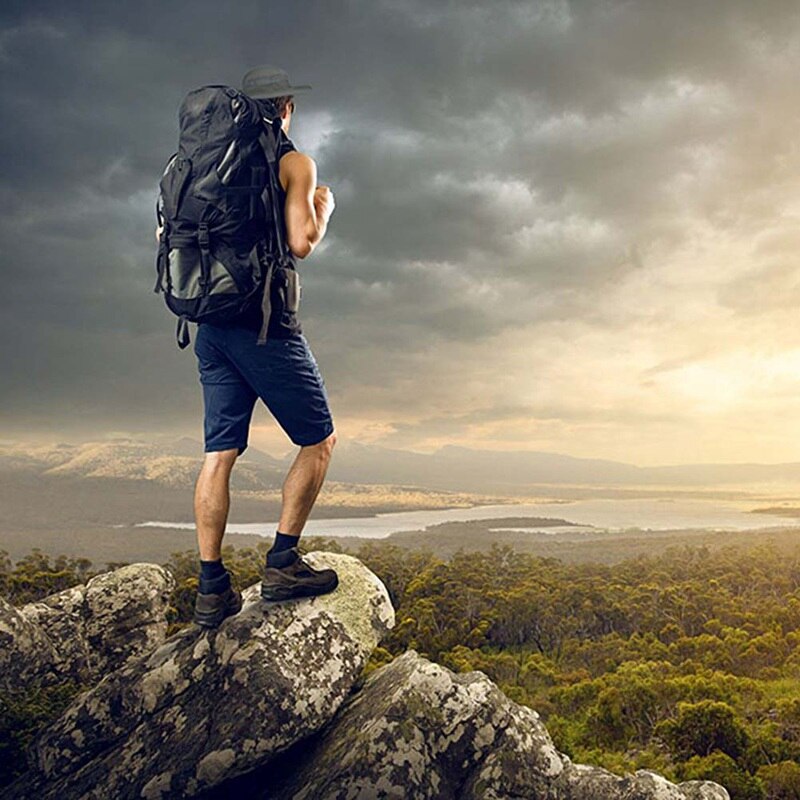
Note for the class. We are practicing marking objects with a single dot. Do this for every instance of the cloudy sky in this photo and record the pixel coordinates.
(561, 226)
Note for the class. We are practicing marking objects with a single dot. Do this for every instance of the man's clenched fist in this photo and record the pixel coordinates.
(324, 202)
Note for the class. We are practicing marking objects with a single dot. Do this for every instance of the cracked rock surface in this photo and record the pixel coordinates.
(85, 631)
(207, 705)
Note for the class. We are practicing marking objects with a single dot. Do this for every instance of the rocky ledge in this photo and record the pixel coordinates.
(85, 632)
(270, 705)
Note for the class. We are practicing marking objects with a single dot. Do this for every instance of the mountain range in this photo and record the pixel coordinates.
(173, 462)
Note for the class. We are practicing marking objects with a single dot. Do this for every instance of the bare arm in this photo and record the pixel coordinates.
(308, 206)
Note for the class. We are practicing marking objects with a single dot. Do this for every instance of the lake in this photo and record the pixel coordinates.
(592, 514)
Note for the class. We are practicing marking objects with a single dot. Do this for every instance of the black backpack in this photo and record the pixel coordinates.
(223, 237)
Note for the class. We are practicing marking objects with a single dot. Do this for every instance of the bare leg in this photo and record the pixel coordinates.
(212, 501)
(302, 485)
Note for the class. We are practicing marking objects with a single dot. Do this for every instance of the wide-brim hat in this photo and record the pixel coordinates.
(267, 81)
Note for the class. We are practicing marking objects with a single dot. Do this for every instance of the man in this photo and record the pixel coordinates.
(283, 373)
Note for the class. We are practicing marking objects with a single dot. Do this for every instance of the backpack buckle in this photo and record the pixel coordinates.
(202, 235)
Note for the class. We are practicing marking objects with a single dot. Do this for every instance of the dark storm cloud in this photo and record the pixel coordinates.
(494, 164)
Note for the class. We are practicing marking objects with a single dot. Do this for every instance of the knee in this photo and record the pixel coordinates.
(221, 459)
(325, 447)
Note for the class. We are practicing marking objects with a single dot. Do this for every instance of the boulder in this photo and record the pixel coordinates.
(26, 652)
(417, 729)
(86, 631)
(208, 705)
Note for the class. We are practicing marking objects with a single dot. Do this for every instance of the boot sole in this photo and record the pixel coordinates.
(210, 620)
(277, 593)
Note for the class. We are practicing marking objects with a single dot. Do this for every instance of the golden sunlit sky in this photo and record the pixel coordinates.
(569, 227)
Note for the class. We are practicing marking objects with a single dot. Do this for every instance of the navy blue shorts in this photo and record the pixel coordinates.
(235, 372)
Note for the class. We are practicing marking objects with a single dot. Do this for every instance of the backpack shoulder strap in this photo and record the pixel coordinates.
(270, 146)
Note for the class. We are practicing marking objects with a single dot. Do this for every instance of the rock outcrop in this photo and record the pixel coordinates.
(416, 729)
(87, 631)
(264, 708)
(206, 706)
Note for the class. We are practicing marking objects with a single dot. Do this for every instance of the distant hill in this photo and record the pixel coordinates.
(469, 469)
(451, 468)
(53, 496)
(166, 462)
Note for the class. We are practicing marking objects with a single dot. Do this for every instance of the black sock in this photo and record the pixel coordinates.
(214, 578)
(283, 541)
(211, 569)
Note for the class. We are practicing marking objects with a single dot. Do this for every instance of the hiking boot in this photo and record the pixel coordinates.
(288, 575)
(211, 609)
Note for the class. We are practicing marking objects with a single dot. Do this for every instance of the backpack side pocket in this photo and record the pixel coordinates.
(173, 184)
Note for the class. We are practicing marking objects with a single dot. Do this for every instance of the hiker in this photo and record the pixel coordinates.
(236, 370)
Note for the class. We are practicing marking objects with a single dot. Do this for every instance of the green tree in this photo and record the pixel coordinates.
(23, 713)
(782, 781)
(700, 728)
(722, 769)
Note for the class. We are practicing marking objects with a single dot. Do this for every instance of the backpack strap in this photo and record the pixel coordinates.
(271, 195)
(163, 246)
(201, 239)
(182, 332)
(205, 254)
(270, 146)
(266, 302)
(161, 260)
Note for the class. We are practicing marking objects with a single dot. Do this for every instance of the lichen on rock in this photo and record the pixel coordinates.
(207, 705)
(86, 631)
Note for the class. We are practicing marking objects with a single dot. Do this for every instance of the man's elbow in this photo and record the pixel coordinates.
(300, 247)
